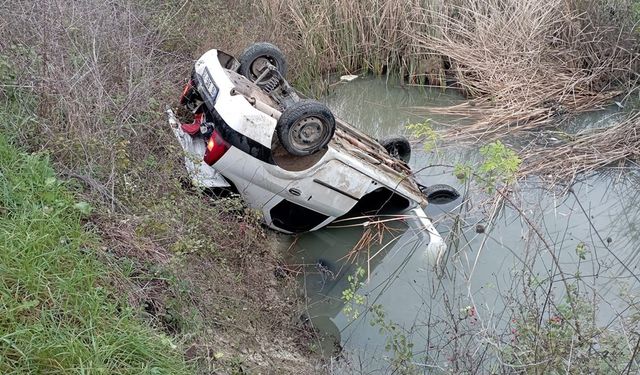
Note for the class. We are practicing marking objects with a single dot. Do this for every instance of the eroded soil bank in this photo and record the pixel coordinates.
(88, 92)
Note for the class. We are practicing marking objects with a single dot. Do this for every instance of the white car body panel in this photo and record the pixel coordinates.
(235, 109)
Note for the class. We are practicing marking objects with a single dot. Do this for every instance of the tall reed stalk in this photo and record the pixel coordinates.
(525, 62)
(353, 36)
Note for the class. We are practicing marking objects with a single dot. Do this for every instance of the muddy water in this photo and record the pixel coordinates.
(423, 299)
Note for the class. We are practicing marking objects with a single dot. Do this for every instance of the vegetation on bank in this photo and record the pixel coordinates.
(524, 65)
(486, 46)
(89, 91)
(58, 313)
(170, 264)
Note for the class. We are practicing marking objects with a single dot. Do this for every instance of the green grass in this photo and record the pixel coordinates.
(56, 313)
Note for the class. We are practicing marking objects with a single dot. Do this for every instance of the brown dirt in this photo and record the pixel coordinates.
(293, 163)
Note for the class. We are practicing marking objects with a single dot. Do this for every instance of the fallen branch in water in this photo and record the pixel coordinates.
(587, 152)
(489, 122)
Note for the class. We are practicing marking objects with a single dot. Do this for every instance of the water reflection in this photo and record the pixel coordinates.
(328, 257)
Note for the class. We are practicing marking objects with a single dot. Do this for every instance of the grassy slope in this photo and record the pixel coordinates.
(56, 315)
(197, 269)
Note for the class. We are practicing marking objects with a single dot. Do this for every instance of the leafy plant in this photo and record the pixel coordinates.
(425, 132)
(542, 344)
(581, 251)
(396, 341)
(462, 172)
(353, 300)
(500, 165)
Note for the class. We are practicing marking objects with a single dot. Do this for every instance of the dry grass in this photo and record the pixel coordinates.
(525, 64)
(587, 152)
(529, 63)
(351, 36)
(99, 74)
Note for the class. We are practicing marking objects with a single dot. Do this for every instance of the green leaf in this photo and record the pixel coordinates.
(84, 208)
(581, 250)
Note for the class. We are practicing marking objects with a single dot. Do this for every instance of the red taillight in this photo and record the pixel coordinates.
(194, 127)
(216, 147)
(186, 92)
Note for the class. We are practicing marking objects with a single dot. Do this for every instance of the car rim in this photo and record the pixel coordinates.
(307, 133)
(393, 151)
(260, 64)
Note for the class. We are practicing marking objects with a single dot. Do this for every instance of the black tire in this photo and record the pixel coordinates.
(253, 59)
(398, 147)
(305, 127)
(440, 193)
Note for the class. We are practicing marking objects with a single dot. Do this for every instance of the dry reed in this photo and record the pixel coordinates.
(589, 151)
(528, 63)
(351, 36)
(525, 63)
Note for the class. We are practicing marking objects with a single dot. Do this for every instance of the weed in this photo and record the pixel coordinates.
(462, 172)
(57, 313)
(543, 343)
(354, 301)
(397, 341)
(426, 133)
(500, 165)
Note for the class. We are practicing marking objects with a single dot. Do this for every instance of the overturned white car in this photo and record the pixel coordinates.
(286, 156)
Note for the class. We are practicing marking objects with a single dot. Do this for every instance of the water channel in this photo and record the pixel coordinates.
(435, 309)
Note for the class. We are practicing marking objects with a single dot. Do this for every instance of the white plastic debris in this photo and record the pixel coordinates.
(348, 78)
(201, 174)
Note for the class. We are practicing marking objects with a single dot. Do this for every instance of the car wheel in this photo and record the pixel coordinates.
(255, 58)
(398, 147)
(440, 193)
(305, 127)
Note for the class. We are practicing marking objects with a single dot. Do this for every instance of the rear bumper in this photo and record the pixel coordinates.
(194, 147)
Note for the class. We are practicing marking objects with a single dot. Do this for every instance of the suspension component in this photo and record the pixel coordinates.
(271, 84)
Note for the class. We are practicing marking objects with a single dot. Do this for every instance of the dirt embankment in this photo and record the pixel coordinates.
(92, 79)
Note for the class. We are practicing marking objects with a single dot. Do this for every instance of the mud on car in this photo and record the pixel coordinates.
(286, 155)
